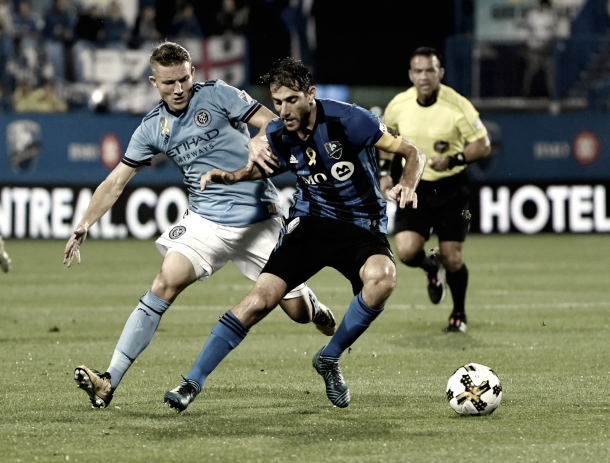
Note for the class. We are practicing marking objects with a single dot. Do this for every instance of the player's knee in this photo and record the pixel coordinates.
(406, 255)
(408, 245)
(379, 279)
(167, 287)
(453, 261)
(407, 252)
(260, 301)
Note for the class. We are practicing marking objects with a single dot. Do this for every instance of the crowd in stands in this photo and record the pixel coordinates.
(39, 51)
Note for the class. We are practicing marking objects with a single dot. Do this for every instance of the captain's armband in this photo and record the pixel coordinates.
(389, 142)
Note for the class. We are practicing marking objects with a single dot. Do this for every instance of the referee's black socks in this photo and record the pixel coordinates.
(458, 282)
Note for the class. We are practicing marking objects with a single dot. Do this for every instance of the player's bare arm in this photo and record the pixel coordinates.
(103, 199)
(415, 160)
(259, 151)
(475, 151)
(240, 175)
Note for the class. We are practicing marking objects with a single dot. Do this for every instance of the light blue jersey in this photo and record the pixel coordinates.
(210, 133)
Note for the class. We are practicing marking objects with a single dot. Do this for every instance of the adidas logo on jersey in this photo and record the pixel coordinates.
(293, 160)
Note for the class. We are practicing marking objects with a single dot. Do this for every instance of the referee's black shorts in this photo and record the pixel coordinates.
(442, 208)
(308, 244)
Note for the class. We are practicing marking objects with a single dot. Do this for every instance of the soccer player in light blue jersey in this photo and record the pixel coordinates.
(200, 126)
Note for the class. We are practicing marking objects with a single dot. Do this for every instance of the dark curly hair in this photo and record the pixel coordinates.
(289, 72)
(169, 54)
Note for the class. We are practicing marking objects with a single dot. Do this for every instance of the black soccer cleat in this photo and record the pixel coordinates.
(436, 284)
(181, 397)
(336, 388)
(457, 324)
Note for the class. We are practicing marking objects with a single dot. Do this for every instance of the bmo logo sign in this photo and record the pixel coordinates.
(531, 209)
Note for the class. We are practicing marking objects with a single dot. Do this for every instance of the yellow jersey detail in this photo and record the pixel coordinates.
(440, 129)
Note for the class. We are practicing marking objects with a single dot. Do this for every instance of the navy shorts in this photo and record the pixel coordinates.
(308, 244)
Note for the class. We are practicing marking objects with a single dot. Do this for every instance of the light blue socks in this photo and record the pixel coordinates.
(137, 334)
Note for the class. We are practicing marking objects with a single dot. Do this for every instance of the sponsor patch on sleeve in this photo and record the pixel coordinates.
(478, 124)
(244, 96)
(382, 126)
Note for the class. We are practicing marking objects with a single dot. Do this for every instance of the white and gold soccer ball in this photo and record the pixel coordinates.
(474, 389)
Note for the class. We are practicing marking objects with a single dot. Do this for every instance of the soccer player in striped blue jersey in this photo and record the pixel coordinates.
(200, 126)
(338, 219)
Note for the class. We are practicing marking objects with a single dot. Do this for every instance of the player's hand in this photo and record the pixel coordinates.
(403, 195)
(259, 152)
(439, 163)
(73, 246)
(385, 183)
(216, 176)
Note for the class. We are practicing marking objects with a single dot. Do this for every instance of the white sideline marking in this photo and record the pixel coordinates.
(224, 308)
(546, 305)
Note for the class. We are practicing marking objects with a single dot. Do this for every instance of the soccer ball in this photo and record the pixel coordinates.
(474, 389)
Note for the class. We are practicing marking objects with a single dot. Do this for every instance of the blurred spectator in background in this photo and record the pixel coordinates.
(268, 36)
(117, 31)
(540, 23)
(90, 26)
(58, 34)
(22, 64)
(145, 32)
(230, 19)
(6, 33)
(26, 24)
(5, 105)
(23, 101)
(6, 18)
(185, 24)
(41, 100)
(58, 23)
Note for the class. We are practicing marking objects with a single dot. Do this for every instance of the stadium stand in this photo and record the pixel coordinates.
(88, 48)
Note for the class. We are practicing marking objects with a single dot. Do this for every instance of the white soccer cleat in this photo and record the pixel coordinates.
(5, 260)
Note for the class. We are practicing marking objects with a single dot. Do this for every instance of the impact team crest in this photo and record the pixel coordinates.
(334, 149)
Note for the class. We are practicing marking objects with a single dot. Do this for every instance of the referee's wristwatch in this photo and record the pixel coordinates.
(456, 160)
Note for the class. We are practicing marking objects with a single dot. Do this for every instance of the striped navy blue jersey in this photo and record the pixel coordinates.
(210, 133)
(336, 167)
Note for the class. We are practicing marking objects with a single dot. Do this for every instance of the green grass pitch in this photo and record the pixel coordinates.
(538, 315)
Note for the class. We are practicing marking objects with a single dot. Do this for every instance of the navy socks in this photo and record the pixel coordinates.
(357, 319)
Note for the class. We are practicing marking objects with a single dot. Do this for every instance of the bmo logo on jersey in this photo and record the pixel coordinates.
(342, 170)
(314, 179)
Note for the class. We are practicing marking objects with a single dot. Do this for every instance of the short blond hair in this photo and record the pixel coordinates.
(168, 54)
